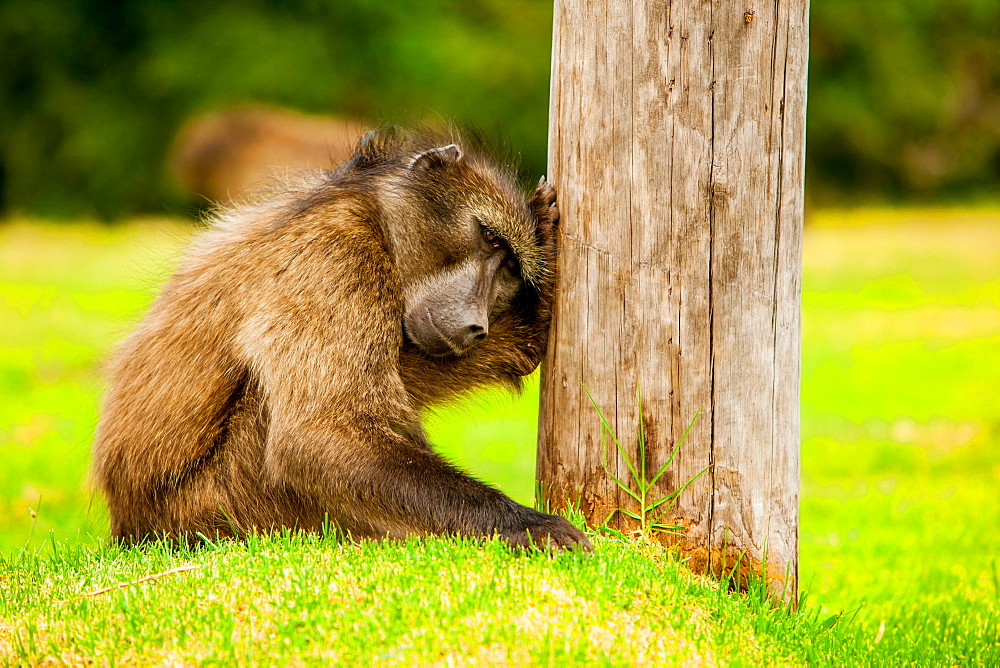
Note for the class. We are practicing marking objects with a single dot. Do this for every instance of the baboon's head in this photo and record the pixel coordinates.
(465, 244)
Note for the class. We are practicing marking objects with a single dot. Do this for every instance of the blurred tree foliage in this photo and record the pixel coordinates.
(904, 94)
(93, 91)
(904, 99)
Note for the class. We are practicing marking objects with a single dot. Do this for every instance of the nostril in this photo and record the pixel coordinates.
(474, 334)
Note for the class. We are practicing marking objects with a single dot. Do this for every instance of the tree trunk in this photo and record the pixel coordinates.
(676, 143)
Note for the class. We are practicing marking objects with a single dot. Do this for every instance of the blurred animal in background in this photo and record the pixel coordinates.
(224, 155)
(280, 377)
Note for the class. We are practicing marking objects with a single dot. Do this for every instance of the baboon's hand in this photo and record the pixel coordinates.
(546, 211)
(550, 532)
(532, 310)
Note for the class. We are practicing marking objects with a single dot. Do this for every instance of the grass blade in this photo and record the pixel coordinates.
(677, 446)
(626, 488)
(606, 425)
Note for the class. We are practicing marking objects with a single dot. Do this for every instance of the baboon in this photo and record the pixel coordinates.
(279, 378)
(225, 155)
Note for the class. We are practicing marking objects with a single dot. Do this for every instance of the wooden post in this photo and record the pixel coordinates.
(676, 142)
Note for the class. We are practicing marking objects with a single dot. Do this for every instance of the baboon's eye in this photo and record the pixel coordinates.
(512, 264)
(491, 239)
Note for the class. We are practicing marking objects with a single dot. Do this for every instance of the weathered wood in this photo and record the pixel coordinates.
(677, 146)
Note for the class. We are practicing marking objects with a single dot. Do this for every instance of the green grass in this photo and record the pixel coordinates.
(900, 508)
(304, 598)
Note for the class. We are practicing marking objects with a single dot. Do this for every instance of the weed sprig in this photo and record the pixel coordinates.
(651, 511)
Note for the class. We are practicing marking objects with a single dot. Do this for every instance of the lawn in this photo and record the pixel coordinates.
(900, 505)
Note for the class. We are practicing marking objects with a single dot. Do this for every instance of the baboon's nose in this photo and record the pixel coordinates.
(473, 334)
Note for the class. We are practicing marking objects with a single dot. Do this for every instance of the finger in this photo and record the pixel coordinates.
(545, 193)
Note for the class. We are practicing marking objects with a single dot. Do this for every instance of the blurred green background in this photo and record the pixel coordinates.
(904, 94)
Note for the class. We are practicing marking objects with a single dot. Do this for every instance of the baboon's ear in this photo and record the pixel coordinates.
(441, 156)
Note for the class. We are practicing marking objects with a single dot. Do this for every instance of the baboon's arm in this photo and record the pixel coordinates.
(378, 482)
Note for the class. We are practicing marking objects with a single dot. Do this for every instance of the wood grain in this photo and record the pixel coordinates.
(677, 134)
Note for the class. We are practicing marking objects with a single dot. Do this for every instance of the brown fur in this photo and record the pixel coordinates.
(272, 383)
